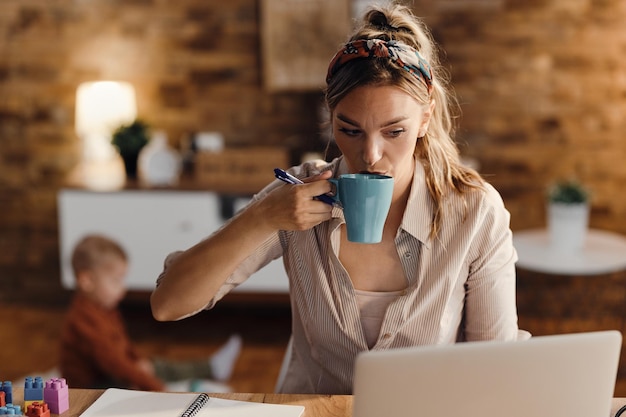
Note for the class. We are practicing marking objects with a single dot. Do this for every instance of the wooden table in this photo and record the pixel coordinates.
(315, 405)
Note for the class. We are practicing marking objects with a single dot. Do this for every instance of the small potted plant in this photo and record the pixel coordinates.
(568, 214)
(129, 140)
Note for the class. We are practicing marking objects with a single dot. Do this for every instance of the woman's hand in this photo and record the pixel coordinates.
(294, 207)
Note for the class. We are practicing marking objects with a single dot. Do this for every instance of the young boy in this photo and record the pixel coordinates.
(96, 351)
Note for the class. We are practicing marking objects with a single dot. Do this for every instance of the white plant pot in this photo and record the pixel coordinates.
(567, 225)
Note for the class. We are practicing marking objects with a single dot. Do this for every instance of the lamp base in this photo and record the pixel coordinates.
(100, 175)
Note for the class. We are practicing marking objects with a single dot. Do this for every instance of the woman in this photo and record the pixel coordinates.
(444, 271)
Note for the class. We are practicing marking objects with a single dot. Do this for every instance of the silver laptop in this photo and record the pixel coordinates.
(570, 375)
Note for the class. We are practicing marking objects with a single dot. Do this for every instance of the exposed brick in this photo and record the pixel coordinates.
(174, 95)
(541, 83)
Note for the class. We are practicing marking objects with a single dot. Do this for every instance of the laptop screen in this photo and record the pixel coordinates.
(571, 375)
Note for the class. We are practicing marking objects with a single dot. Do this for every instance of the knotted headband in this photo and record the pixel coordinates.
(399, 53)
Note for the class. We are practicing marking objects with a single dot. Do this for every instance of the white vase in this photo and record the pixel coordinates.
(159, 164)
(567, 225)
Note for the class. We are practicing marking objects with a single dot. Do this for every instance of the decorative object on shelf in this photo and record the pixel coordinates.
(129, 139)
(568, 215)
(159, 165)
(100, 107)
(209, 142)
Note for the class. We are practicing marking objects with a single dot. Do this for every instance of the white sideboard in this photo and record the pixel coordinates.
(149, 224)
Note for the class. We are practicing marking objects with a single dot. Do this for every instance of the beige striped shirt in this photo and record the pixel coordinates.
(461, 286)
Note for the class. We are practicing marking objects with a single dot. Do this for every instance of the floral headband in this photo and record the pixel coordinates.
(399, 53)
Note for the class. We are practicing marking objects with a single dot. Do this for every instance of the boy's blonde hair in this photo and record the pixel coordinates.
(93, 250)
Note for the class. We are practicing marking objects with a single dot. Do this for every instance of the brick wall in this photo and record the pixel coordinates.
(542, 86)
(543, 90)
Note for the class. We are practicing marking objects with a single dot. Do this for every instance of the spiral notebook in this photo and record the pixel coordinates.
(116, 402)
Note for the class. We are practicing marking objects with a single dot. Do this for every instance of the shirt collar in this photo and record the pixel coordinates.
(419, 212)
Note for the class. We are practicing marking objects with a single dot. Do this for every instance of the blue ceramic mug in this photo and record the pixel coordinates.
(366, 199)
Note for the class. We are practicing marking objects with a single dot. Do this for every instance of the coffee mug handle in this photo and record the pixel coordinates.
(335, 197)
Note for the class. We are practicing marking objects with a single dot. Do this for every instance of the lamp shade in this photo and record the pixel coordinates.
(103, 106)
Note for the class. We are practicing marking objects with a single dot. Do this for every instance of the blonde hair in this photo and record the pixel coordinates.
(436, 149)
(94, 250)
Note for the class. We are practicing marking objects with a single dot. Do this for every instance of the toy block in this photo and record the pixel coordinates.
(11, 409)
(7, 388)
(56, 395)
(33, 389)
(38, 409)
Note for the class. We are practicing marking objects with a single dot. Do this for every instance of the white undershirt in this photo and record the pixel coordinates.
(372, 308)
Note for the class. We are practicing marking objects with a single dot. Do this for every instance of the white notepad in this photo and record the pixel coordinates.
(116, 402)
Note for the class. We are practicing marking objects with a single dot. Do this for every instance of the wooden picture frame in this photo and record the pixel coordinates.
(299, 38)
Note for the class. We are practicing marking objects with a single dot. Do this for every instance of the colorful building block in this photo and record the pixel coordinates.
(33, 390)
(38, 409)
(7, 388)
(56, 395)
(11, 409)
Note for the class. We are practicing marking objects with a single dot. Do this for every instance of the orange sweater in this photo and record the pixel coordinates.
(96, 351)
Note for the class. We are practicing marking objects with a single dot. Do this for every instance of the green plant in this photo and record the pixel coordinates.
(568, 192)
(129, 139)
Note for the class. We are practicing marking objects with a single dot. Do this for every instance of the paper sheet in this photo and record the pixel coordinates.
(116, 402)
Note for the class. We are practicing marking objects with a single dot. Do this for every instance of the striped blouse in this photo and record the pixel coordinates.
(461, 286)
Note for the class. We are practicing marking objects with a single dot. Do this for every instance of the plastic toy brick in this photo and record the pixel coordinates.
(11, 409)
(56, 395)
(7, 388)
(38, 409)
(33, 389)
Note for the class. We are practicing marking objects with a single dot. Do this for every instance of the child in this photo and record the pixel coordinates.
(96, 351)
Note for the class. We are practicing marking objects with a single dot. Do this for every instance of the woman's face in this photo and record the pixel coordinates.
(376, 128)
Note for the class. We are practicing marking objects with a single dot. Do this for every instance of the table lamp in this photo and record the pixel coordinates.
(102, 107)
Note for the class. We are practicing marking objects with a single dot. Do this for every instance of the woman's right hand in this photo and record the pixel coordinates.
(293, 207)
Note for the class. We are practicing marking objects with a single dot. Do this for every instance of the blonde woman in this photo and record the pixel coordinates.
(444, 270)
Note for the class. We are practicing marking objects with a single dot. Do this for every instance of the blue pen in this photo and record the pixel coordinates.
(290, 179)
